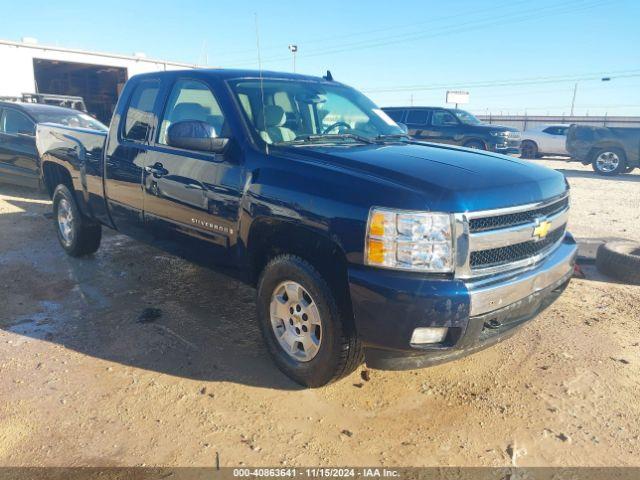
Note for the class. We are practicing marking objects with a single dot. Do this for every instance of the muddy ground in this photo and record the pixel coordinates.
(85, 380)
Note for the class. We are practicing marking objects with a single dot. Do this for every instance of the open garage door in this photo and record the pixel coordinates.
(99, 85)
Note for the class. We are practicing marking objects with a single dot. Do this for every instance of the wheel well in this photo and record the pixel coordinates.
(55, 175)
(475, 140)
(267, 240)
(596, 149)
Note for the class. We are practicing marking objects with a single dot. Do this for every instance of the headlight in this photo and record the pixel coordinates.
(405, 240)
(499, 134)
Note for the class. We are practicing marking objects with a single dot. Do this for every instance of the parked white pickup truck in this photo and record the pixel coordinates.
(543, 140)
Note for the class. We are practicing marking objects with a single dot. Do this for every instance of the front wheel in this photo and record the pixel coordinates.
(77, 234)
(609, 161)
(475, 144)
(529, 149)
(302, 326)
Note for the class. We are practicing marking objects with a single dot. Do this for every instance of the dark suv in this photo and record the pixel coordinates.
(456, 127)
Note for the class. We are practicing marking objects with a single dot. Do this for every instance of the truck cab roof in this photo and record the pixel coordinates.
(35, 110)
(227, 74)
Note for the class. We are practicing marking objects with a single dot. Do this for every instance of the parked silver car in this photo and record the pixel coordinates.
(543, 140)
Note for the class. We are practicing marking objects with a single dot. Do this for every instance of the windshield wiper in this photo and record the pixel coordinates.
(393, 136)
(332, 136)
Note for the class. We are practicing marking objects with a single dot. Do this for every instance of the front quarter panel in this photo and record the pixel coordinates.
(322, 198)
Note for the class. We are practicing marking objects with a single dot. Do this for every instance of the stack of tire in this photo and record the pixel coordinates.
(620, 260)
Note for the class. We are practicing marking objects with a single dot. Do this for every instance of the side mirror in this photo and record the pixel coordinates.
(196, 135)
(403, 127)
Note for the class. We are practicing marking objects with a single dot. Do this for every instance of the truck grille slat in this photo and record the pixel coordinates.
(511, 238)
(514, 253)
(514, 219)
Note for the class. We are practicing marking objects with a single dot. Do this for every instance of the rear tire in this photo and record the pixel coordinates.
(609, 161)
(77, 234)
(337, 351)
(529, 149)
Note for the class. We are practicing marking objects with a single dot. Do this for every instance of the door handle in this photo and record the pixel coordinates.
(193, 186)
(157, 169)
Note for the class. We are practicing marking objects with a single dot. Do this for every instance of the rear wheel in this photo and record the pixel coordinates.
(303, 328)
(609, 161)
(76, 233)
(529, 149)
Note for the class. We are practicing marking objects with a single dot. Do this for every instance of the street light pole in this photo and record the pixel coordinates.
(293, 49)
(573, 101)
(575, 91)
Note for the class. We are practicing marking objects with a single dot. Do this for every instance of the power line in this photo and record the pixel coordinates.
(513, 17)
(335, 38)
(508, 83)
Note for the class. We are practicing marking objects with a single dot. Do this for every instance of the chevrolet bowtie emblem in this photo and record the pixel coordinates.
(541, 230)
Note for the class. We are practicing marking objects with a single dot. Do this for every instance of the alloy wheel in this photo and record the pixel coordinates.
(65, 221)
(607, 162)
(295, 321)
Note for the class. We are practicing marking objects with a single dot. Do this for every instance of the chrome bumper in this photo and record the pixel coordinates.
(500, 291)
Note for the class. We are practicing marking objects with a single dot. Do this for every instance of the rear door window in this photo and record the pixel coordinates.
(418, 117)
(14, 122)
(139, 117)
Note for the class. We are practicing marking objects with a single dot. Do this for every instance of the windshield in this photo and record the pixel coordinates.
(466, 117)
(70, 119)
(300, 112)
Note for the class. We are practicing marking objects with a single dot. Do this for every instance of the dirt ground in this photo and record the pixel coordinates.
(85, 381)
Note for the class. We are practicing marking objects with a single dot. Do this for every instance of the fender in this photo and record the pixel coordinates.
(53, 147)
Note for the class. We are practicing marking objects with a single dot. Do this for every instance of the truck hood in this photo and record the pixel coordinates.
(491, 127)
(448, 178)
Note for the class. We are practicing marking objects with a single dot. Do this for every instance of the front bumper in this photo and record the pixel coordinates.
(389, 305)
(504, 145)
(507, 148)
(508, 151)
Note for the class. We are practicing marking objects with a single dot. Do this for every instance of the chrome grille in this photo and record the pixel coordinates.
(517, 218)
(514, 253)
(501, 240)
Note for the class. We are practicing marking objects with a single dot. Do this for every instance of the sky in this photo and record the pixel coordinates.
(512, 56)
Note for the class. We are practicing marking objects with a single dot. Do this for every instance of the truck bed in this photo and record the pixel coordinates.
(81, 152)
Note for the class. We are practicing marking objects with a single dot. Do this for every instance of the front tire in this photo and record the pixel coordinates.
(609, 161)
(78, 236)
(529, 149)
(475, 144)
(304, 330)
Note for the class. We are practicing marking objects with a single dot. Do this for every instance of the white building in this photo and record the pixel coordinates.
(27, 67)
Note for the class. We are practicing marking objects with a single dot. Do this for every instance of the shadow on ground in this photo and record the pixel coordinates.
(202, 325)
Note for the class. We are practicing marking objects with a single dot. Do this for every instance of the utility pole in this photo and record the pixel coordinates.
(573, 101)
(293, 49)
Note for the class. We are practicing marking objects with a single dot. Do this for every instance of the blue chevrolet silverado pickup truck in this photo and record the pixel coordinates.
(363, 244)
